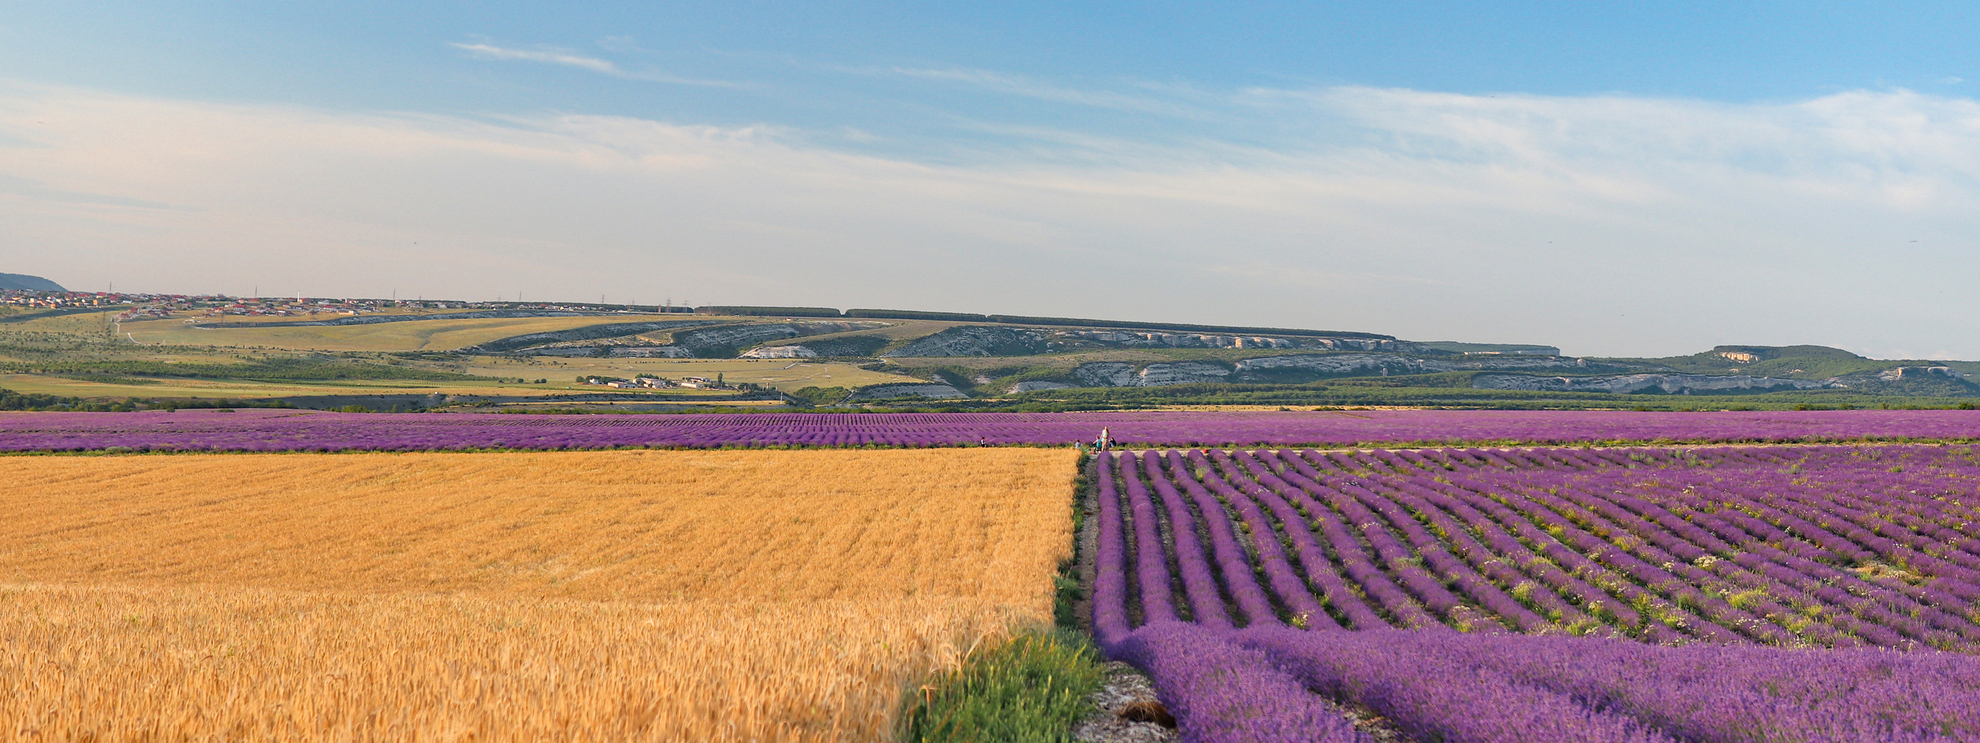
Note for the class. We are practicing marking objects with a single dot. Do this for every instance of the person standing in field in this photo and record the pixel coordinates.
(1105, 442)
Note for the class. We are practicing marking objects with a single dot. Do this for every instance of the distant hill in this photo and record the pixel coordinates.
(24, 282)
(1799, 362)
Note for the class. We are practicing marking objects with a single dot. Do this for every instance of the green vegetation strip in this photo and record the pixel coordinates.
(283, 369)
(1033, 688)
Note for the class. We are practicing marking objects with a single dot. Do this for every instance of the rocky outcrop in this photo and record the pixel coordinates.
(1344, 364)
(932, 391)
(1673, 384)
(974, 340)
(1303, 368)
(1104, 374)
(1513, 361)
(779, 352)
(1181, 372)
(1919, 372)
(1121, 374)
(650, 352)
(1278, 368)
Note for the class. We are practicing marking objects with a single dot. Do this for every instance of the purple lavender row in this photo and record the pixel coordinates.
(1790, 575)
(1914, 611)
(1439, 696)
(1348, 497)
(1206, 603)
(1921, 622)
(1110, 589)
(1223, 693)
(1151, 565)
(1608, 566)
(1302, 471)
(1232, 563)
(1613, 595)
(1285, 582)
(1775, 578)
(1695, 564)
(290, 430)
(1313, 559)
(1506, 542)
(1495, 566)
(1550, 688)
(1355, 560)
(1668, 576)
(1433, 552)
(1423, 584)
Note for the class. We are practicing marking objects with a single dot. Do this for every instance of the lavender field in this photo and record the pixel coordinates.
(301, 430)
(1724, 594)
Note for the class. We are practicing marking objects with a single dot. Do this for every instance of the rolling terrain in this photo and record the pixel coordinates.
(492, 355)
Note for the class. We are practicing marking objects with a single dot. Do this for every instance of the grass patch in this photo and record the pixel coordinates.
(1033, 688)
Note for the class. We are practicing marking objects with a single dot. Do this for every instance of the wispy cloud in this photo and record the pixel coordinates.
(593, 64)
(23, 187)
(1029, 88)
(488, 51)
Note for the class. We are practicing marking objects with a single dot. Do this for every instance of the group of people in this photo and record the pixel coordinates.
(1104, 442)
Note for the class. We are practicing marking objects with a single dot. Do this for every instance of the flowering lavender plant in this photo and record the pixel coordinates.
(1625, 594)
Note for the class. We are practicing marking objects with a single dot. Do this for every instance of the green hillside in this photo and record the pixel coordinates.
(1795, 362)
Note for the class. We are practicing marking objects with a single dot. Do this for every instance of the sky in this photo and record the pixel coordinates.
(1636, 179)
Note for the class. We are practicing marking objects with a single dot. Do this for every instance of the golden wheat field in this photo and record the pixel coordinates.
(647, 595)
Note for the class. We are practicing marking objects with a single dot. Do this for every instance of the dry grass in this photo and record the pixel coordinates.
(413, 335)
(244, 389)
(764, 595)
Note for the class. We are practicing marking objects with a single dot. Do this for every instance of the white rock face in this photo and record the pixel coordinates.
(1628, 383)
(974, 340)
(893, 391)
(1344, 363)
(663, 352)
(1181, 372)
(1917, 372)
(1104, 374)
(779, 352)
(1120, 374)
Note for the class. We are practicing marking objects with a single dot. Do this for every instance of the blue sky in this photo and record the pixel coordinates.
(1628, 178)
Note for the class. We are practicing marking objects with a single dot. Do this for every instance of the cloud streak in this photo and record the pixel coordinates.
(591, 64)
(1028, 88)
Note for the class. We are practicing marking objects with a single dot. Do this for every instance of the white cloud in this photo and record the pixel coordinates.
(566, 59)
(1015, 85)
(1606, 225)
